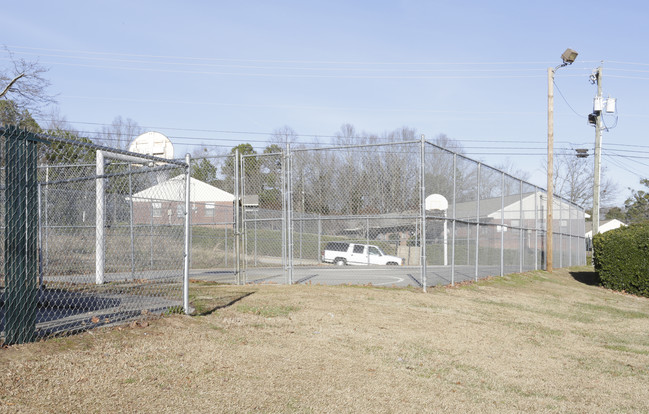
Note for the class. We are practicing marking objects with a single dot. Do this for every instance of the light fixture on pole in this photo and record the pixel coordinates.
(568, 58)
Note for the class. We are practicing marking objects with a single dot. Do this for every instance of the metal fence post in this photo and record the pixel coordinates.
(536, 228)
(521, 216)
(289, 211)
(319, 239)
(477, 228)
(130, 220)
(422, 212)
(367, 238)
(560, 234)
(502, 224)
(187, 234)
(21, 227)
(237, 199)
(284, 213)
(100, 204)
(454, 219)
(45, 252)
(40, 240)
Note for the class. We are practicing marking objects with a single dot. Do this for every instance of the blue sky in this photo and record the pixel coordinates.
(221, 73)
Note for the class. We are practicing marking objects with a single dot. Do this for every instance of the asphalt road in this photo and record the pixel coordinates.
(399, 276)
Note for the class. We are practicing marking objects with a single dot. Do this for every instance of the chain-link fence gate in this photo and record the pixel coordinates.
(91, 235)
(401, 213)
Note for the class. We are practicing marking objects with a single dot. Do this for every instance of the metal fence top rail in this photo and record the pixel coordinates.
(53, 139)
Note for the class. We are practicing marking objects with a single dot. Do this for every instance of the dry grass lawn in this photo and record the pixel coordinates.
(535, 342)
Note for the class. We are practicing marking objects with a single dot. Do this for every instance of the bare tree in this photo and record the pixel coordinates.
(24, 84)
(119, 133)
(282, 136)
(573, 180)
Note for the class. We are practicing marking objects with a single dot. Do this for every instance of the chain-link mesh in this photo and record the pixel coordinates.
(212, 218)
(365, 202)
(92, 236)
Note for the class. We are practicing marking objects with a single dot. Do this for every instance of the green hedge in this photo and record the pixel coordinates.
(621, 257)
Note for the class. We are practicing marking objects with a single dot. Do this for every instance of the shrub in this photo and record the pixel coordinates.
(621, 257)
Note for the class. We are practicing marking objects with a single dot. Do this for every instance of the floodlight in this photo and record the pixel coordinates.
(569, 56)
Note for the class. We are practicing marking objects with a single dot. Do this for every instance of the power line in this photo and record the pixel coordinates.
(566, 101)
(205, 59)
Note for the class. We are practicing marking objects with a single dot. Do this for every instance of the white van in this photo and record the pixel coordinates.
(343, 253)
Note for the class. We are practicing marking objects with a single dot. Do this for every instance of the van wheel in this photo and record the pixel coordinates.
(391, 264)
(339, 261)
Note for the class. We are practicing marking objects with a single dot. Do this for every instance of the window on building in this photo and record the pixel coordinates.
(180, 210)
(156, 209)
(209, 209)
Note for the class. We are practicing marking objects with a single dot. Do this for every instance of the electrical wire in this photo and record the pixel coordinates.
(566, 101)
(624, 167)
(13, 48)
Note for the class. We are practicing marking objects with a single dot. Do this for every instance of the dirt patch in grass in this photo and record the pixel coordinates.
(533, 342)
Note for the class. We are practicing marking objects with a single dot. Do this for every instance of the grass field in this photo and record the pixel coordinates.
(535, 342)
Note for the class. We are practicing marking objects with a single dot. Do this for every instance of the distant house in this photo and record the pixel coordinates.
(164, 203)
(528, 211)
(604, 226)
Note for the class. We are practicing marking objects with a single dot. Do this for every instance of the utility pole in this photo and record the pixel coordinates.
(568, 58)
(549, 235)
(598, 107)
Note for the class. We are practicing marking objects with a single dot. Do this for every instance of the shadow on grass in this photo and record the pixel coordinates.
(207, 306)
(588, 278)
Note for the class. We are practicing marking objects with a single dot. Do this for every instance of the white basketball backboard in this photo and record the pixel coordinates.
(153, 143)
(436, 202)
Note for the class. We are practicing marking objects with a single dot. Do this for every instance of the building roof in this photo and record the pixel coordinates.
(604, 226)
(174, 190)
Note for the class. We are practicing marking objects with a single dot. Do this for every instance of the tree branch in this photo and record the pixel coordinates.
(8, 87)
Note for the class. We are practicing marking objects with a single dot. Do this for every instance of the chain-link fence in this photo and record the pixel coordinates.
(404, 213)
(91, 236)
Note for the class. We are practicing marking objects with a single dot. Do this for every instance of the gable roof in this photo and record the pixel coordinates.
(604, 226)
(174, 190)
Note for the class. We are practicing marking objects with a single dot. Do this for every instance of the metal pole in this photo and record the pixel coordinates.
(445, 237)
(502, 224)
(151, 235)
(477, 231)
(99, 219)
(187, 233)
(536, 229)
(289, 211)
(560, 233)
(237, 197)
(570, 234)
(40, 240)
(367, 239)
(598, 156)
(549, 235)
(284, 213)
(319, 239)
(45, 252)
(243, 228)
(521, 217)
(130, 197)
(422, 212)
(256, 218)
(454, 216)
(302, 221)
